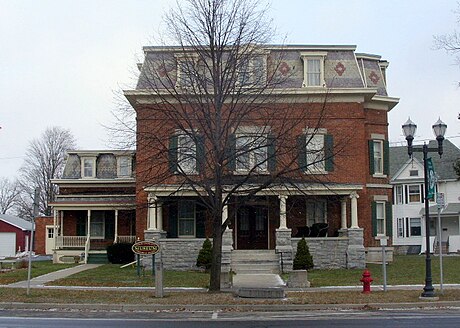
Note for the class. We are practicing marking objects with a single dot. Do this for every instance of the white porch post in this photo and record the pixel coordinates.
(160, 216)
(354, 210)
(88, 225)
(283, 218)
(55, 214)
(343, 213)
(152, 213)
(116, 226)
(61, 224)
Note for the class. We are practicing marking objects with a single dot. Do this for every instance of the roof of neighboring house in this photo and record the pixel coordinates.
(450, 209)
(17, 222)
(443, 166)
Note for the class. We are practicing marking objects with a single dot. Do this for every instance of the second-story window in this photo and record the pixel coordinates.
(251, 153)
(379, 157)
(88, 167)
(186, 155)
(399, 195)
(316, 151)
(414, 192)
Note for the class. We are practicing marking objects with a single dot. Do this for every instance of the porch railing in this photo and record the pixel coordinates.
(70, 241)
(126, 239)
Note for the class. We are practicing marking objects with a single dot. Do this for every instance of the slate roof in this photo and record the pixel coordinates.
(443, 166)
(17, 222)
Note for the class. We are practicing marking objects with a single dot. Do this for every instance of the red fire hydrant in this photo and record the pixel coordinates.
(366, 280)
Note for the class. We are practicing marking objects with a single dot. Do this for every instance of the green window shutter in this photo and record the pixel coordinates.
(231, 152)
(200, 221)
(371, 157)
(172, 221)
(374, 218)
(172, 153)
(329, 152)
(302, 149)
(386, 157)
(200, 154)
(271, 153)
(389, 219)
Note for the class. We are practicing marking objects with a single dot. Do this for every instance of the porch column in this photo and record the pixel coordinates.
(116, 226)
(343, 213)
(152, 214)
(354, 210)
(283, 219)
(61, 224)
(88, 225)
(160, 215)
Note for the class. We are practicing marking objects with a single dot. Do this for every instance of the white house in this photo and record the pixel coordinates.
(408, 199)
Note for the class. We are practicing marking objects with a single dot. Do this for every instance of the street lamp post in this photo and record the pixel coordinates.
(439, 129)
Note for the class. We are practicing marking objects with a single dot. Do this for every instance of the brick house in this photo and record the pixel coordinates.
(341, 204)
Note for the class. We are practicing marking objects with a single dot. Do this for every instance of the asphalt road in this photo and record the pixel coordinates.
(113, 319)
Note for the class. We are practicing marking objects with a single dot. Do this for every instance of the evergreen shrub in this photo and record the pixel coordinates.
(303, 259)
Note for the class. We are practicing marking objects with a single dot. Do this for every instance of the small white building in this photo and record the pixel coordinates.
(407, 179)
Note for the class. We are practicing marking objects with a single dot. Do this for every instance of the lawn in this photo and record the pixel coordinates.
(38, 268)
(111, 275)
(405, 269)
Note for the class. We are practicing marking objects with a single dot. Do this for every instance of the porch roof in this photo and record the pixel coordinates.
(449, 210)
(275, 190)
(114, 201)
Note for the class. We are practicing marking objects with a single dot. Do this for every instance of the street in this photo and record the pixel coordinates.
(386, 318)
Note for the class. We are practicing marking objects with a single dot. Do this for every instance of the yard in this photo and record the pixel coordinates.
(38, 268)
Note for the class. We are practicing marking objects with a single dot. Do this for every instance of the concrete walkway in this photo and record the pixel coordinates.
(40, 281)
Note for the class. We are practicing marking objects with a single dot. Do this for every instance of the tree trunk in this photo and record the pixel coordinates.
(214, 283)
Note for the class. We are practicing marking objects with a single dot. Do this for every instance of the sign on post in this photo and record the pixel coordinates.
(431, 178)
(146, 248)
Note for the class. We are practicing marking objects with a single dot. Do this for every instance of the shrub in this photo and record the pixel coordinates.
(205, 256)
(303, 259)
(120, 253)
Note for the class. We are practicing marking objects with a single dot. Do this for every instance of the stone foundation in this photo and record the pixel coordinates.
(327, 252)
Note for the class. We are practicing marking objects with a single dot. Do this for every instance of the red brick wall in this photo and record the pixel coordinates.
(41, 233)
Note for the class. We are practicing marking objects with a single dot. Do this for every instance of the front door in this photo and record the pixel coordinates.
(252, 227)
(49, 239)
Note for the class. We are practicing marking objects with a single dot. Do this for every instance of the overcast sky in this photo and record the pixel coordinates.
(62, 61)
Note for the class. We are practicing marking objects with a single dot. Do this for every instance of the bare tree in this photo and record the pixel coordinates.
(211, 106)
(9, 192)
(450, 42)
(44, 161)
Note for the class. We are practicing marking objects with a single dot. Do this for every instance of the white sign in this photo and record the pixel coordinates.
(440, 200)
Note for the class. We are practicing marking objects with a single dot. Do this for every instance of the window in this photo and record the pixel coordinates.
(380, 210)
(186, 156)
(316, 212)
(379, 150)
(252, 153)
(88, 167)
(414, 194)
(382, 223)
(413, 173)
(409, 227)
(415, 226)
(316, 151)
(399, 195)
(97, 225)
(186, 218)
(313, 69)
(378, 157)
(50, 232)
(185, 71)
(124, 166)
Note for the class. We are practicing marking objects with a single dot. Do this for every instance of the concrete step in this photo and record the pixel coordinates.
(259, 268)
(255, 261)
(268, 292)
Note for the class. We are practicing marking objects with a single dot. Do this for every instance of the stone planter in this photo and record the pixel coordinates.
(298, 279)
(226, 279)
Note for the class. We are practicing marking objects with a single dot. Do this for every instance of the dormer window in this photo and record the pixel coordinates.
(124, 166)
(88, 167)
(313, 69)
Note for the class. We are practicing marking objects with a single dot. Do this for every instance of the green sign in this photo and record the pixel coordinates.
(431, 178)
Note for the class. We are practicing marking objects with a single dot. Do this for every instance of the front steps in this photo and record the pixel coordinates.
(255, 261)
(97, 258)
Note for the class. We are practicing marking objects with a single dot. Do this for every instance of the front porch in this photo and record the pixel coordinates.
(83, 233)
(328, 219)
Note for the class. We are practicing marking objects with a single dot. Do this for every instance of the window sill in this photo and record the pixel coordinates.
(380, 176)
(266, 172)
(316, 172)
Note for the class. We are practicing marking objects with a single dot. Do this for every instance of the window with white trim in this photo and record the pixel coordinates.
(186, 154)
(124, 166)
(315, 152)
(380, 216)
(378, 156)
(415, 225)
(399, 197)
(252, 71)
(409, 227)
(414, 192)
(252, 153)
(186, 218)
(97, 224)
(88, 167)
(50, 232)
(313, 64)
(186, 69)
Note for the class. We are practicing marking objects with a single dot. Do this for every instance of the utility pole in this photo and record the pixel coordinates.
(35, 214)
